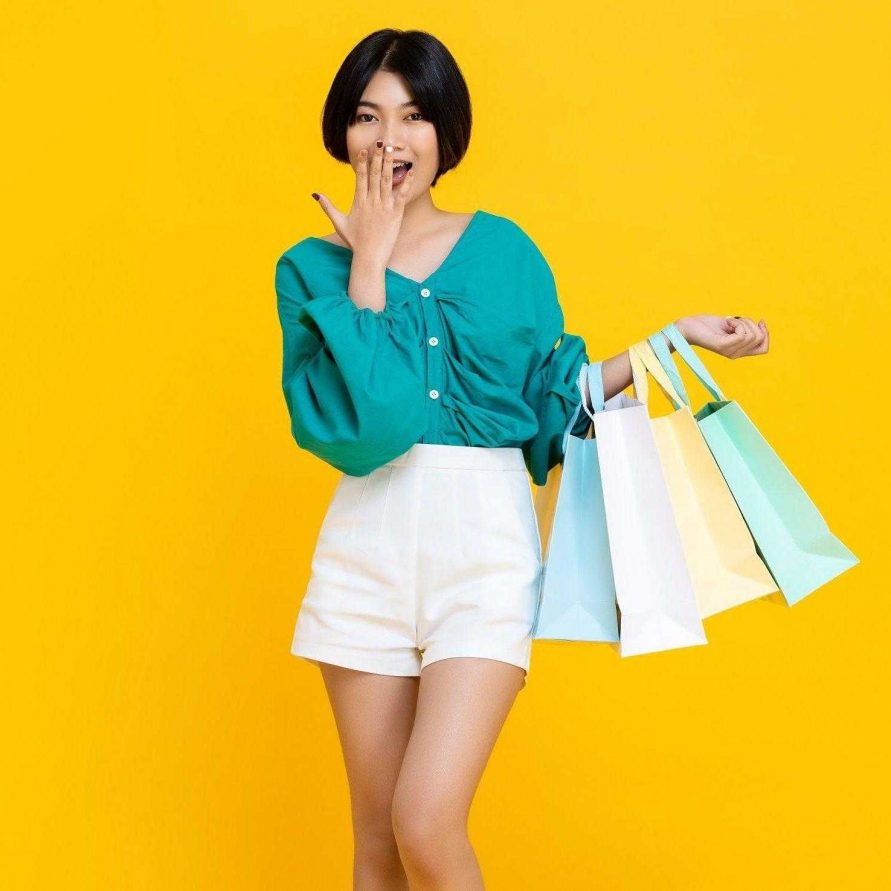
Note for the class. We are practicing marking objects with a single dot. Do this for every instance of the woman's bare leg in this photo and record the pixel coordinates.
(374, 714)
(462, 705)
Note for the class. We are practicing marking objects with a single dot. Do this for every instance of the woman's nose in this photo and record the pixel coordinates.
(392, 139)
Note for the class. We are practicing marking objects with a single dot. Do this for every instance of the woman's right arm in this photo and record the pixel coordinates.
(353, 391)
(372, 225)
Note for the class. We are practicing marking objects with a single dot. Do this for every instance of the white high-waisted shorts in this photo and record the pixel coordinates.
(434, 554)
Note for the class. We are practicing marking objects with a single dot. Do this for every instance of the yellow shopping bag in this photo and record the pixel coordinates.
(724, 566)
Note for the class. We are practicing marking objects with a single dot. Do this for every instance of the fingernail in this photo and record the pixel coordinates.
(314, 195)
(379, 143)
(389, 148)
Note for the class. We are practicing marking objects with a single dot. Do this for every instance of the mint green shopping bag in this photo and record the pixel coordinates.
(791, 536)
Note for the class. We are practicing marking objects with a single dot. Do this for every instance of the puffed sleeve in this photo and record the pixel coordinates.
(352, 377)
(552, 390)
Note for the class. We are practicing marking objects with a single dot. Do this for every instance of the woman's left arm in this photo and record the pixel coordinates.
(730, 336)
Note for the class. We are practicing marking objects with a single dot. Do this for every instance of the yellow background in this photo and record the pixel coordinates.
(669, 159)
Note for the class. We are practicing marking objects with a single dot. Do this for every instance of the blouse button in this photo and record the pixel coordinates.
(434, 394)
(425, 292)
(433, 341)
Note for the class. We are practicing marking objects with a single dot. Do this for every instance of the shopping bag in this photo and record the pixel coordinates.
(654, 590)
(792, 537)
(721, 556)
(577, 597)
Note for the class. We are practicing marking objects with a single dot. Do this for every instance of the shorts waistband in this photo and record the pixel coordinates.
(429, 454)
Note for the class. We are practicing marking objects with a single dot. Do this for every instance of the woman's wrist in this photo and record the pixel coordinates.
(681, 325)
(368, 279)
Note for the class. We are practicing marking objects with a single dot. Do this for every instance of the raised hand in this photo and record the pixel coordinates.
(375, 218)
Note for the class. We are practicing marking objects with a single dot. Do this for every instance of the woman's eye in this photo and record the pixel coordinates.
(365, 114)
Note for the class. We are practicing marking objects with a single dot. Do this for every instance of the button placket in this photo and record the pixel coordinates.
(434, 360)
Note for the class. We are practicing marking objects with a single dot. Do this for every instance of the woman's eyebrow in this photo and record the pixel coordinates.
(377, 107)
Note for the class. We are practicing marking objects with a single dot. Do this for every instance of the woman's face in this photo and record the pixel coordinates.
(386, 112)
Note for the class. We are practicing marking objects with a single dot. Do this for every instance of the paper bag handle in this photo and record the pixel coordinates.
(595, 388)
(685, 351)
(580, 383)
(644, 358)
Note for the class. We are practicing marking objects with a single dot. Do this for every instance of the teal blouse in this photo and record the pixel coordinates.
(473, 355)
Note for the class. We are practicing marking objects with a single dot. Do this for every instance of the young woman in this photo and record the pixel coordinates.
(425, 358)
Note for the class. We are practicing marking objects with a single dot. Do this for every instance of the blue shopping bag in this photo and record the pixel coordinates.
(791, 536)
(577, 597)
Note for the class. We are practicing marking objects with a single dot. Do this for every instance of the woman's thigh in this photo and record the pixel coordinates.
(374, 714)
(463, 703)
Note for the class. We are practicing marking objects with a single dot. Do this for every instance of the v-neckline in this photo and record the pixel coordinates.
(449, 256)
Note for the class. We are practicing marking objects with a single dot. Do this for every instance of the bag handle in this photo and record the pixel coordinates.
(639, 384)
(685, 351)
(580, 383)
(594, 373)
(660, 348)
(642, 355)
(661, 366)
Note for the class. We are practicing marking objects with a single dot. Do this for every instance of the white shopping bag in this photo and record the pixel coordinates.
(654, 589)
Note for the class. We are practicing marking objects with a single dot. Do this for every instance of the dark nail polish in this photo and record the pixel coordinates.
(379, 143)
(315, 196)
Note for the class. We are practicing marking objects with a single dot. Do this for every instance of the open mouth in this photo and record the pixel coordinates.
(400, 171)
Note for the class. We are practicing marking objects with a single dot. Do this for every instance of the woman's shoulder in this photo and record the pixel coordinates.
(500, 223)
(512, 233)
(331, 238)
(308, 249)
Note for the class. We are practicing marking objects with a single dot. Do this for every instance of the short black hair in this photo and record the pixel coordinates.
(432, 75)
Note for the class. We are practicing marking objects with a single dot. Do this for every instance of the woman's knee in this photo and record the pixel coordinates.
(375, 837)
(423, 824)
(375, 850)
